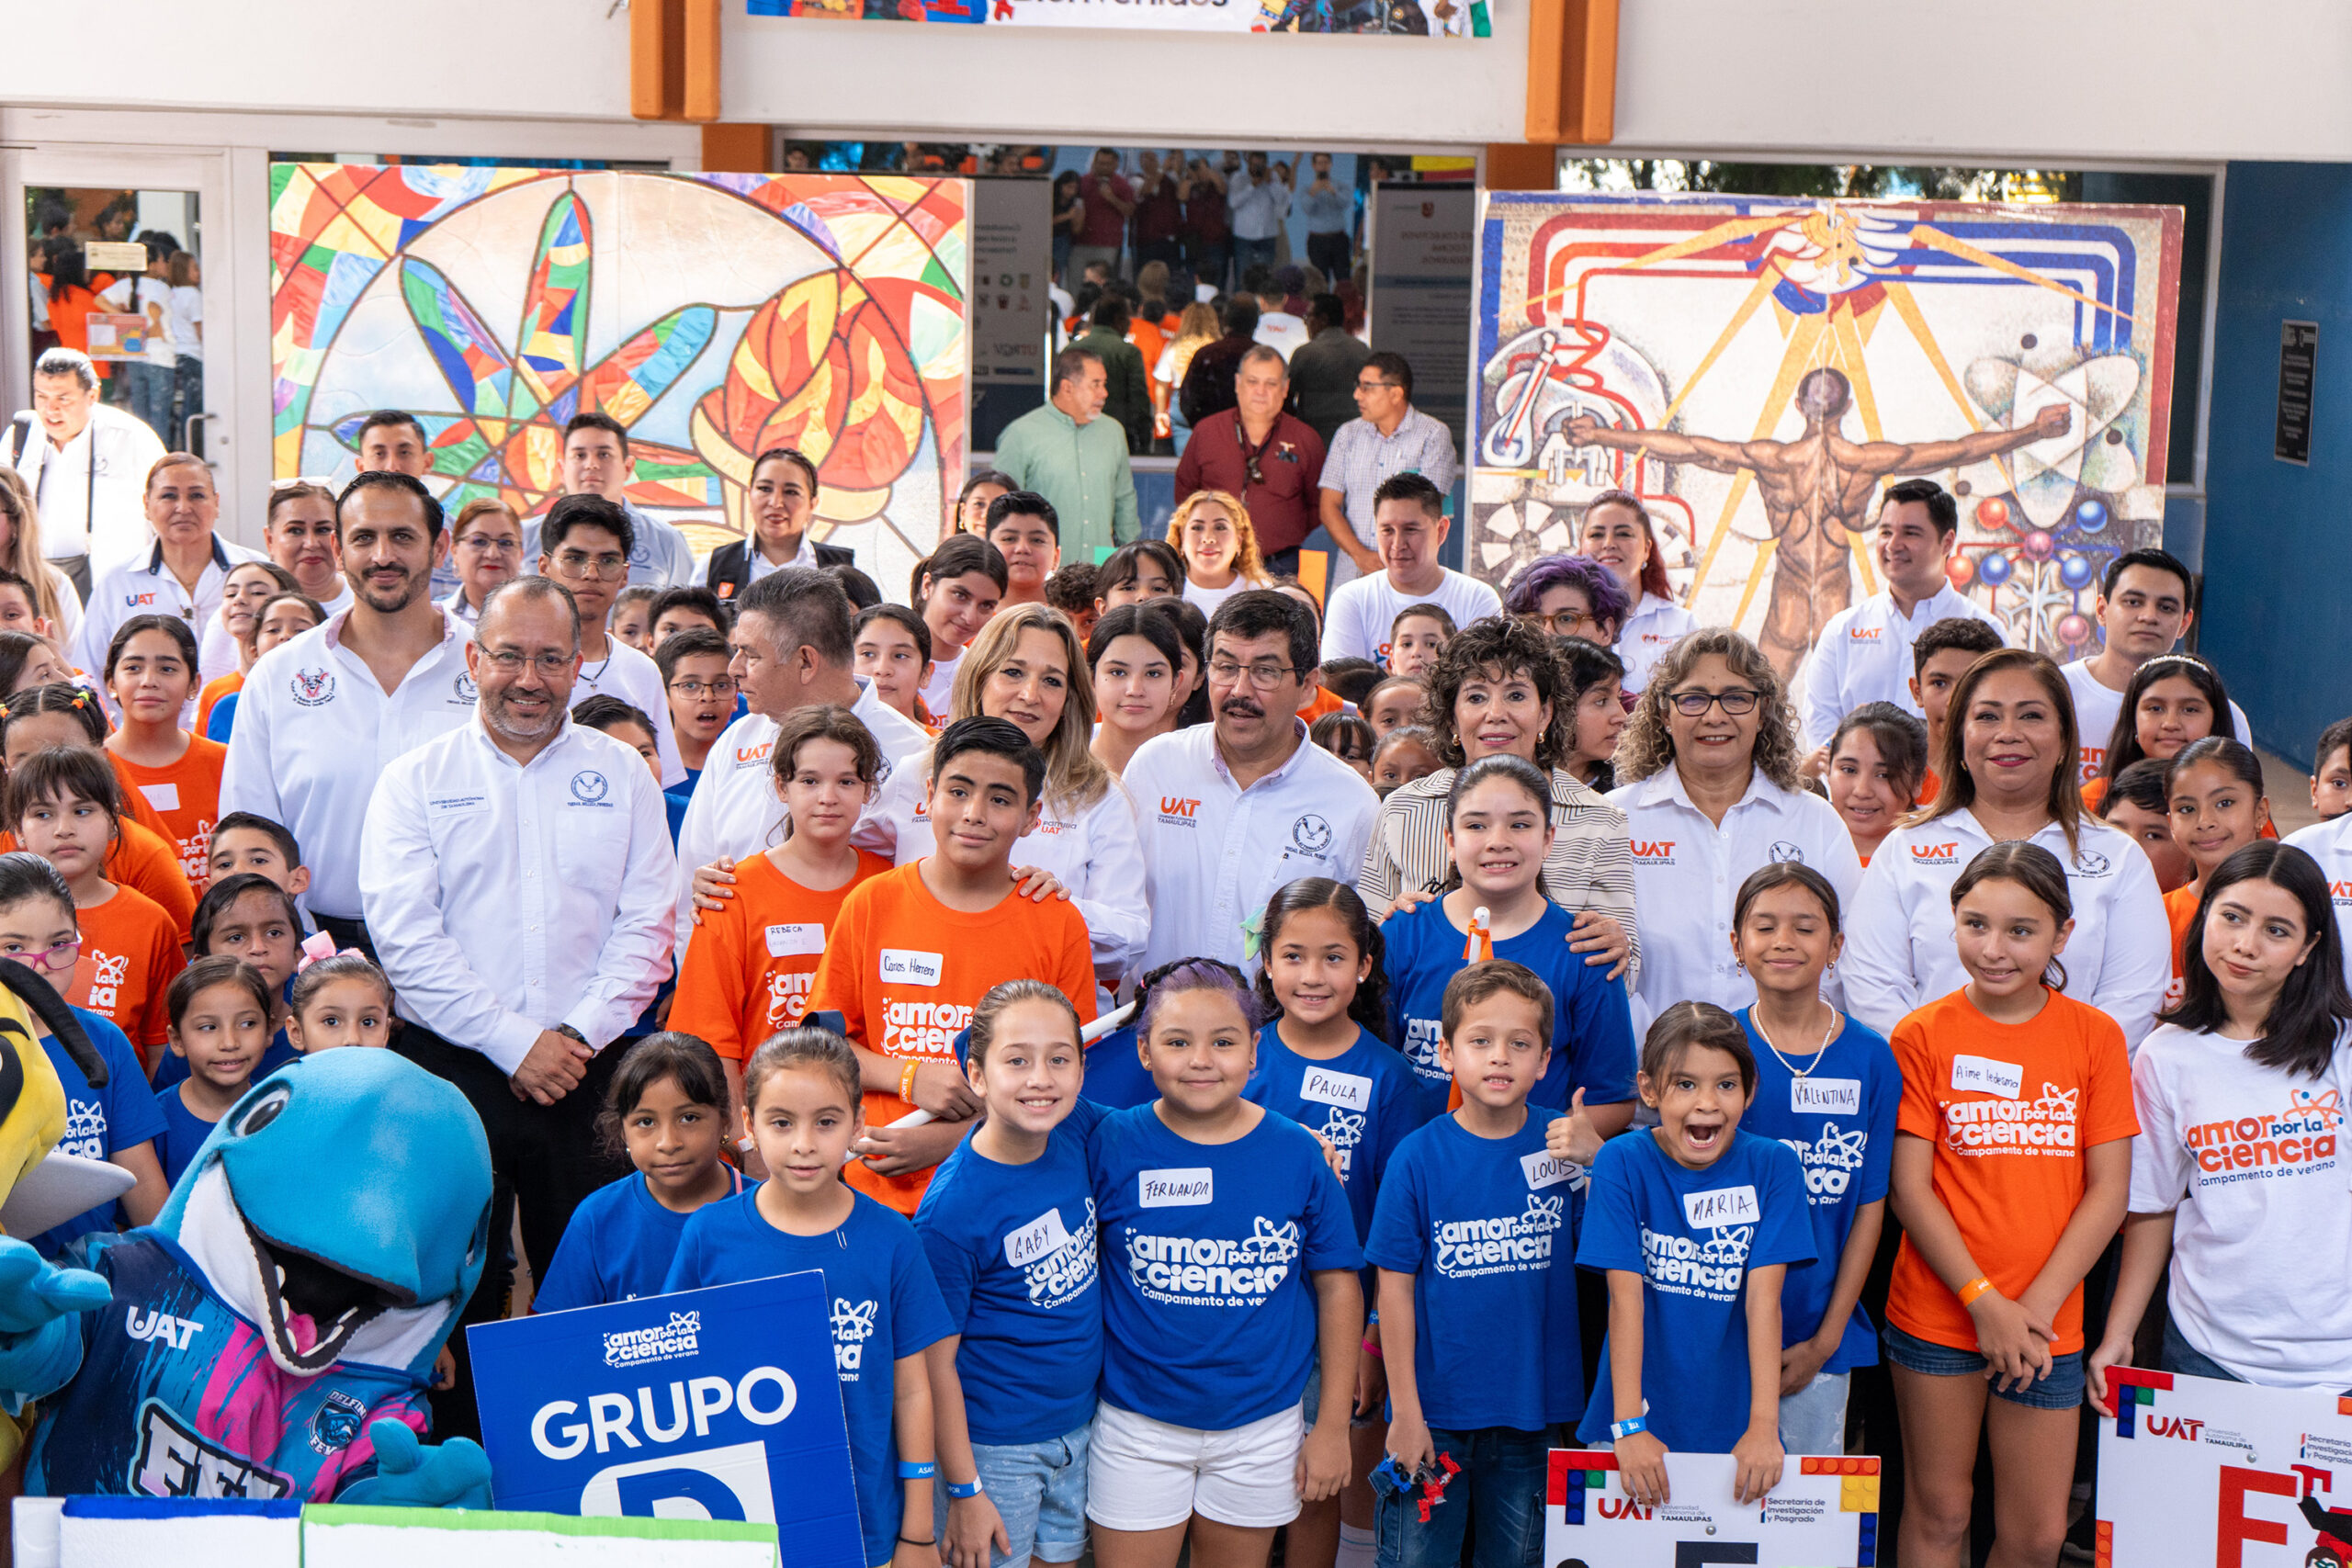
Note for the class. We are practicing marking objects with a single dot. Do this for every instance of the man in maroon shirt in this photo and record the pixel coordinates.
(1273, 460)
(1108, 199)
(1159, 213)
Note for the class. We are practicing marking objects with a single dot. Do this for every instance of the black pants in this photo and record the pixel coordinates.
(1331, 255)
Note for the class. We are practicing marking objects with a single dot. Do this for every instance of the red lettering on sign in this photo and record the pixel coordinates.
(2236, 1527)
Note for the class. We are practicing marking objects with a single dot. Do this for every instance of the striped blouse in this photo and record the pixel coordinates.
(1590, 866)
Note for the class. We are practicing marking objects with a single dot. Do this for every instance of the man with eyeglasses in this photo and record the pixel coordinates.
(1271, 459)
(1389, 437)
(1324, 369)
(1409, 521)
(585, 544)
(596, 462)
(322, 717)
(1230, 811)
(517, 875)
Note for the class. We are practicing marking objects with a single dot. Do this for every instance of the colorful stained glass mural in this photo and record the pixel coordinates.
(713, 315)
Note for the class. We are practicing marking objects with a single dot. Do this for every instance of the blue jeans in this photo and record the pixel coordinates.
(1248, 254)
(1813, 1419)
(1039, 1490)
(1502, 1482)
(2060, 1389)
(147, 392)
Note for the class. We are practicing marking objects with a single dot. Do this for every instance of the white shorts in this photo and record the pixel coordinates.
(1143, 1474)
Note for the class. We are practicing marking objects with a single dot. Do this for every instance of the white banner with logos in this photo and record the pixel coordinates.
(2195, 1472)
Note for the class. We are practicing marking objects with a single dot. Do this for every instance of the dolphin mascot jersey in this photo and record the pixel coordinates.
(272, 1333)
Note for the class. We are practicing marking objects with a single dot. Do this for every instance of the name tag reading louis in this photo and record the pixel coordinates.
(1982, 1074)
(1825, 1097)
(1721, 1206)
(785, 942)
(1352, 1091)
(1041, 1237)
(1191, 1187)
(909, 967)
(1547, 1170)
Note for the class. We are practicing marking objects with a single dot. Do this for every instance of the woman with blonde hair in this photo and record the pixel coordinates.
(54, 600)
(1211, 530)
(1028, 666)
(1195, 330)
(1711, 795)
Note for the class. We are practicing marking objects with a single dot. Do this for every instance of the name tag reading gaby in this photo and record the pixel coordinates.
(1721, 1206)
(1825, 1097)
(1041, 1237)
(908, 967)
(1982, 1074)
(1352, 1091)
(783, 941)
(1186, 1188)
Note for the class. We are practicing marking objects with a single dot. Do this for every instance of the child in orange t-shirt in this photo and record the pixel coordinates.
(915, 949)
(62, 802)
(2218, 808)
(2012, 1164)
(748, 970)
(151, 670)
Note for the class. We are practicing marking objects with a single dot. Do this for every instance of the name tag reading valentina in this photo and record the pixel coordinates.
(1825, 1097)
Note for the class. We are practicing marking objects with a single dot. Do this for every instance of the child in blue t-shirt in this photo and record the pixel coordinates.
(1008, 1224)
(219, 1009)
(666, 1105)
(1229, 1267)
(247, 915)
(1477, 1286)
(1695, 1222)
(1499, 829)
(803, 1106)
(1830, 1088)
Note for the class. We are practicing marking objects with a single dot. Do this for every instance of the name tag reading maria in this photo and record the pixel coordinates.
(1352, 1091)
(785, 942)
(1187, 1188)
(908, 967)
(1041, 1237)
(1982, 1074)
(1825, 1097)
(1721, 1206)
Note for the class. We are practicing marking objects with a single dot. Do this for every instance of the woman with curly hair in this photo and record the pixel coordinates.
(1211, 530)
(1499, 687)
(1569, 596)
(1711, 792)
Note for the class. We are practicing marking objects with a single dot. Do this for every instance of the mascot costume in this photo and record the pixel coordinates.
(272, 1334)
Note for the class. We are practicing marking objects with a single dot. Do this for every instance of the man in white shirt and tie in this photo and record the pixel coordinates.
(1863, 654)
(87, 465)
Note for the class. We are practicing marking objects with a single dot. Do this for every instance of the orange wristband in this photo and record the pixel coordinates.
(1973, 1288)
(907, 1082)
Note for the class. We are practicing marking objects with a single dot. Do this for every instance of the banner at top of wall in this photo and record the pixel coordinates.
(1421, 19)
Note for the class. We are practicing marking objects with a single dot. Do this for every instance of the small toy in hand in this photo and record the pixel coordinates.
(1388, 1479)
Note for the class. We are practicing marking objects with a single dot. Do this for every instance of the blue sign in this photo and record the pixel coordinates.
(720, 1403)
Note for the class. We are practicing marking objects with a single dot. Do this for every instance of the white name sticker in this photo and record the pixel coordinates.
(1547, 1170)
(456, 804)
(909, 967)
(1825, 1097)
(1982, 1074)
(1349, 1091)
(785, 941)
(1721, 1206)
(162, 796)
(1041, 1237)
(1188, 1188)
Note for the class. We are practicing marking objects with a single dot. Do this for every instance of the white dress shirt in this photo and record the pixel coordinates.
(146, 587)
(1215, 853)
(69, 494)
(1863, 655)
(217, 651)
(1362, 612)
(1654, 625)
(1092, 851)
(2329, 843)
(1900, 952)
(1688, 870)
(506, 898)
(629, 675)
(315, 731)
(2096, 708)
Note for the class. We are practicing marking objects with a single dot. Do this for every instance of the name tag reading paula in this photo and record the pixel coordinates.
(1351, 1092)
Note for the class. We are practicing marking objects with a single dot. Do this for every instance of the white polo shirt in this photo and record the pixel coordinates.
(1900, 953)
(1091, 850)
(144, 587)
(507, 898)
(1688, 870)
(1361, 612)
(217, 650)
(629, 675)
(2329, 843)
(1215, 853)
(1863, 655)
(315, 731)
(1654, 626)
(2096, 710)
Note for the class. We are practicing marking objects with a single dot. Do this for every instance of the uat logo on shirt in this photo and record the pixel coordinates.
(1174, 808)
(1654, 851)
(1864, 634)
(753, 756)
(1935, 854)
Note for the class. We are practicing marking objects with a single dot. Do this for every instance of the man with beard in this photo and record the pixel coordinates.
(1232, 810)
(322, 717)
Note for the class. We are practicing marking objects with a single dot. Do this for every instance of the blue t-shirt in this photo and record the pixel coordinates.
(1692, 1235)
(1115, 1078)
(1014, 1250)
(184, 1132)
(1208, 1317)
(618, 1248)
(884, 1303)
(1364, 1100)
(1485, 1227)
(101, 1122)
(1839, 1118)
(1593, 1027)
(222, 719)
(675, 799)
(170, 1070)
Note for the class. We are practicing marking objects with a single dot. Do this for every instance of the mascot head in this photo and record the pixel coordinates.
(343, 1205)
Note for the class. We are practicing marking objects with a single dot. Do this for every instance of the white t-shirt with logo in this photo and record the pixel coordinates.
(1361, 613)
(1653, 627)
(2096, 710)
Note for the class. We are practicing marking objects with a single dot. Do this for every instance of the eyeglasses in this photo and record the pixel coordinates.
(576, 563)
(510, 663)
(1565, 623)
(1694, 704)
(691, 690)
(1377, 385)
(1265, 676)
(59, 956)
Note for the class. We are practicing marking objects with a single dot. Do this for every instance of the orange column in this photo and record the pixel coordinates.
(1571, 72)
(735, 149)
(1522, 165)
(673, 60)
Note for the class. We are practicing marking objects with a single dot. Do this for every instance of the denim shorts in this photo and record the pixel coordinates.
(2060, 1389)
(1039, 1490)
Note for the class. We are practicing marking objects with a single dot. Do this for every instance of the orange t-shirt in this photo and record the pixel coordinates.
(209, 698)
(2009, 1110)
(2094, 795)
(1324, 700)
(187, 796)
(129, 953)
(905, 971)
(2180, 907)
(1930, 787)
(749, 969)
(145, 860)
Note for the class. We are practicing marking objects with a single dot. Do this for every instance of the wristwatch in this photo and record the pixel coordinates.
(571, 1034)
(966, 1489)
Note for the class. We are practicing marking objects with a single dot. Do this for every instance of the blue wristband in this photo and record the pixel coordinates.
(917, 1469)
(968, 1489)
(1624, 1429)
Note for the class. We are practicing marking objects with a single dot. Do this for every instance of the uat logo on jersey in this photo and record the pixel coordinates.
(1655, 851)
(1174, 808)
(1935, 854)
(1864, 634)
